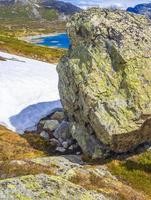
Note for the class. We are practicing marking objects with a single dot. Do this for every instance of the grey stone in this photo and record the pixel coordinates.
(45, 135)
(62, 131)
(51, 125)
(58, 116)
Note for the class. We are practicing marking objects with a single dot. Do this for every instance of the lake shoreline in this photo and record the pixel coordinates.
(39, 36)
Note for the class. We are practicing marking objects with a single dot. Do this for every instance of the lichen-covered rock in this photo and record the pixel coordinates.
(44, 187)
(65, 178)
(105, 80)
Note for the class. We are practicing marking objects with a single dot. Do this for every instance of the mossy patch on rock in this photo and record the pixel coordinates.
(135, 171)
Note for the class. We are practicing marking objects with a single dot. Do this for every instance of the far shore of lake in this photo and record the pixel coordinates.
(53, 40)
(39, 36)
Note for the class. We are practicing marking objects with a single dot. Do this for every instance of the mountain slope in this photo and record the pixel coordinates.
(47, 9)
(143, 9)
(61, 7)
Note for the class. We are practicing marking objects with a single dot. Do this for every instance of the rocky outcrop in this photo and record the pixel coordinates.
(105, 82)
(63, 178)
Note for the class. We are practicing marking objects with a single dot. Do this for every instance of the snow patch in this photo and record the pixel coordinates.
(28, 91)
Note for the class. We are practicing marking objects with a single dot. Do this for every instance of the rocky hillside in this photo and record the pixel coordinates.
(143, 9)
(105, 81)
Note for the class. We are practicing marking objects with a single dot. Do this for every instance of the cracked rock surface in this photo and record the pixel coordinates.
(105, 81)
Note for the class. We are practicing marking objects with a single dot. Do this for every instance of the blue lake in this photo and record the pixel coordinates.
(60, 41)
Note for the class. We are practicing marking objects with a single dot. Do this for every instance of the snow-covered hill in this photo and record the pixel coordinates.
(28, 91)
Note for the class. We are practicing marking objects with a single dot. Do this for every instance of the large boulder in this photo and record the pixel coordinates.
(105, 81)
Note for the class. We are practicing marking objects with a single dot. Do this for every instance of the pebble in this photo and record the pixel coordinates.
(62, 131)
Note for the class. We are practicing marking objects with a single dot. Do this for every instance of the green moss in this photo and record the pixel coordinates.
(31, 185)
(22, 197)
(136, 171)
(43, 194)
(11, 186)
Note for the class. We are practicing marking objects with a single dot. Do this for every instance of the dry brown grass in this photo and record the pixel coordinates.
(15, 147)
(10, 169)
(107, 185)
(16, 152)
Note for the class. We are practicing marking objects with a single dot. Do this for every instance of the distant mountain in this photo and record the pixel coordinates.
(60, 6)
(143, 9)
(41, 9)
(6, 2)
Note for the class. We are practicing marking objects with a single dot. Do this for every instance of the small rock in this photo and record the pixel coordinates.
(44, 134)
(65, 144)
(60, 149)
(62, 131)
(51, 125)
(58, 116)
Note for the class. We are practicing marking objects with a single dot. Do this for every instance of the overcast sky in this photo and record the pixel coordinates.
(107, 3)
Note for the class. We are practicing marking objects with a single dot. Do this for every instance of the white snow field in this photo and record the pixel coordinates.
(28, 92)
